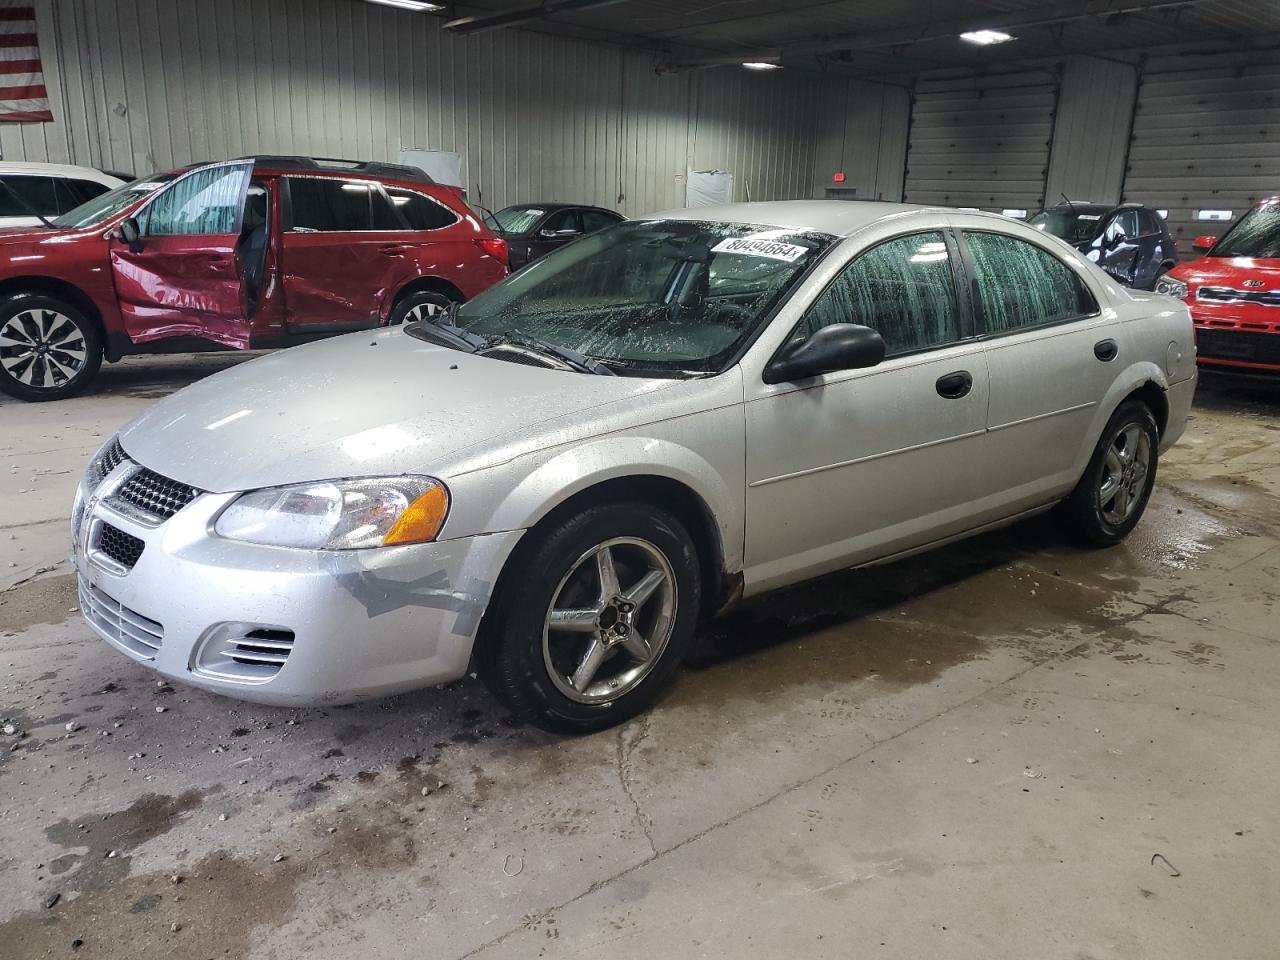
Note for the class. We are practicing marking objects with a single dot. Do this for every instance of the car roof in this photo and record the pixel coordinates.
(1085, 206)
(558, 205)
(57, 170)
(836, 217)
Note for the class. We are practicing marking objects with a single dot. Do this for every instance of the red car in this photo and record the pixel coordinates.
(1233, 292)
(256, 252)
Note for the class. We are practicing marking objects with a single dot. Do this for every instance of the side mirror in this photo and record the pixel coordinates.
(1204, 242)
(129, 232)
(840, 346)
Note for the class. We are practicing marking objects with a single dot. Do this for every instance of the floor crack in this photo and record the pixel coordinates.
(630, 736)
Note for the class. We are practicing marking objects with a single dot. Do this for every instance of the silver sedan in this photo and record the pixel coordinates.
(554, 483)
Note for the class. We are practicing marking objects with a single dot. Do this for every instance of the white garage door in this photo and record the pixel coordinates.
(981, 143)
(1204, 139)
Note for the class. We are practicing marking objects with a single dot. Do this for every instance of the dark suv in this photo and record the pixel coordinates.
(1130, 241)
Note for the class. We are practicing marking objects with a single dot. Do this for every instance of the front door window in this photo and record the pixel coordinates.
(208, 201)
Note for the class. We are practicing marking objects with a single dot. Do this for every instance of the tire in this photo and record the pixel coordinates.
(49, 349)
(590, 674)
(1110, 498)
(418, 305)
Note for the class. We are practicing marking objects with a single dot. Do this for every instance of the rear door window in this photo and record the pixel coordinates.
(28, 196)
(1020, 285)
(593, 220)
(563, 220)
(330, 205)
(903, 288)
(420, 212)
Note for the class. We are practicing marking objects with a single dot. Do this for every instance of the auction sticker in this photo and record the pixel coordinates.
(750, 247)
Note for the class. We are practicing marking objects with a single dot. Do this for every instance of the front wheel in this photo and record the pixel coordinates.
(596, 620)
(1109, 499)
(48, 348)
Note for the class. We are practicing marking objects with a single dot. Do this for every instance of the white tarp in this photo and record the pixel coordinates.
(442, 166)
(707, 187)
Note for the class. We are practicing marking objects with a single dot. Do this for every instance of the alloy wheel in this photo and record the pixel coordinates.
(600, 639)
(42, 349)
(423, 311)
(1124, 474)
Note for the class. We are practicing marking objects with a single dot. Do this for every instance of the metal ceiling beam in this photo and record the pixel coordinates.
(1047, 15)
(484, 23)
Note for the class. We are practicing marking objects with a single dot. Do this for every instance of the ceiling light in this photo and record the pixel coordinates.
(761, 65)
(418, 6)
(985, 38)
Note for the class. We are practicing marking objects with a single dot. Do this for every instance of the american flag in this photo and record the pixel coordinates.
(23, 97)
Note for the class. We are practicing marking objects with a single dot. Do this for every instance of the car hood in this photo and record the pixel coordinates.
(1228, 271)
(30, 234)
(367, 404)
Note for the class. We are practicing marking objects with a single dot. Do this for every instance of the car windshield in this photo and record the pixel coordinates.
(518, 219)
(107, 205)
(662, 297)
(1074, 226)
(1256, 234)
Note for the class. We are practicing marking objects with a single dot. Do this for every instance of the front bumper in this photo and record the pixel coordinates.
(277, 625)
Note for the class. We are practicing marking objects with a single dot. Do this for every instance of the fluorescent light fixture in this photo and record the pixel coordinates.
(1015, 213)
(761, 65)
(984, 38)
(1164, 214)
(1217, 216)
(417, 6)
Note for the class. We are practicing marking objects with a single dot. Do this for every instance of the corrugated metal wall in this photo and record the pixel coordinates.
(149, 84)
(864, 137)
(1206, 135)
(981, 142)
(1091, 133)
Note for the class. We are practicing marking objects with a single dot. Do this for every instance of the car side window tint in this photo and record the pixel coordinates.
(330, 205)
(1021, 285)
(1149, 222)
(903, 288)
(204, 202)
(1123, 224)
(593, 220)
(34, 195)
(564, 220)
(419, 212)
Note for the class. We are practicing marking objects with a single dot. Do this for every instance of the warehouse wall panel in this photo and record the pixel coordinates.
(1206, 135)
(864, 136)
(982, 142)
(1091, 134)
(139, 85)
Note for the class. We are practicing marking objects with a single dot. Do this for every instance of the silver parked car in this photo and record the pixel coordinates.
(554, 482)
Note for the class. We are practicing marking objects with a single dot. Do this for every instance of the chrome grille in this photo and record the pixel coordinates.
(155, 495)
(1265, 298)
(123, 548)
(139, 635)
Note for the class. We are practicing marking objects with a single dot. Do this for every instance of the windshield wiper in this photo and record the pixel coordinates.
(444, 331)
(579, 361)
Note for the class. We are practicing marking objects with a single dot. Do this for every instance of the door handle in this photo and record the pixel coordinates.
(1105, 350)
(953, 386)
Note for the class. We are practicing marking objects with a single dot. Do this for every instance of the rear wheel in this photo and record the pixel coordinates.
(48, 348)
(420, 305)
(1109, 499)
(596, 620)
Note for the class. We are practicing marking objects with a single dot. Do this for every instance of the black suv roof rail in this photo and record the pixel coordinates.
(374, 168)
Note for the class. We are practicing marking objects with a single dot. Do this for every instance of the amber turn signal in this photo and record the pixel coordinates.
(421, 520)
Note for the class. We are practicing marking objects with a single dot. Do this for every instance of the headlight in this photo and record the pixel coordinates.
(1171, 287)
(339, 515)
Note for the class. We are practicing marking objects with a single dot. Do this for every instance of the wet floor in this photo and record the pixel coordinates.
(973, 753)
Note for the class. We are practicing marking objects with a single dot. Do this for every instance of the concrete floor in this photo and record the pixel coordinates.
(976, 753)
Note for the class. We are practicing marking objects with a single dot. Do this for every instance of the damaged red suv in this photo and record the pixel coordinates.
(1233, 292)
(256, 252)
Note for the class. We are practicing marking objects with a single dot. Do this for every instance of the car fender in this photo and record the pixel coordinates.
(535, 487)
(1133, 377)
